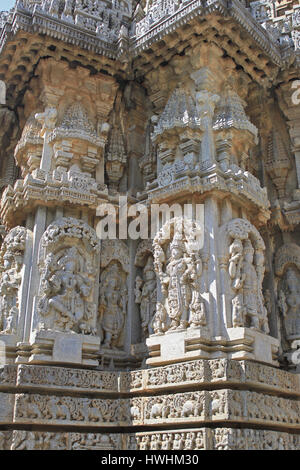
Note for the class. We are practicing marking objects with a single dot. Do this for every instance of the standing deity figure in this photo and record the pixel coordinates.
(238, 311)
(12, 252)
(289, 302)
(176, 285)
(146, 296)
(66, 287)
(247, 277)
(178, 265)
(235, 262)
(113, 306)
(206, 104)
(250, 285)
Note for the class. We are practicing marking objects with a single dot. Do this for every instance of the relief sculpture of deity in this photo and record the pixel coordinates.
(113, 306)
(66, 286)
(146, 296)
(179, 268)
(289, 302)
(247, 275)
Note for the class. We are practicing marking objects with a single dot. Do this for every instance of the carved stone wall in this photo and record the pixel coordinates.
(185, 337)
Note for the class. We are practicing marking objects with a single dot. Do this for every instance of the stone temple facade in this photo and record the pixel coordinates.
(156, 342)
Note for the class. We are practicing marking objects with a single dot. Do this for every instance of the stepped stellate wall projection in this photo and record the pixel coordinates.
(150, 210)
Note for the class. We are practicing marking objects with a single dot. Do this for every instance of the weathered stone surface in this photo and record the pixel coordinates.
(202, 373)
(63, 379)
(150, 211)
(36, 440)
(178, 408)
(8, 376)
(6, 407)
(214, 439)
(181, 439)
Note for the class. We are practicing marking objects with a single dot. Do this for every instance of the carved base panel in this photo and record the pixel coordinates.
(263, 348)
(71, 411)
(260, 402)
(191, 344)
(178, 409)
(214, 439)
(200, 375)
(117, 359)
(63, 348)
(6, 408)
(7, 349)
(36, 440)
(177, 440)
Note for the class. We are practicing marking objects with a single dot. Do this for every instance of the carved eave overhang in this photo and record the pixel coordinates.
(42, 23)
(36, 35)
(227, 23)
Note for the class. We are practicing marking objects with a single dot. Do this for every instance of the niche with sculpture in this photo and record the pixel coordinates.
(69, 263)
(178, 265)
(245, 263)
(113, 296)
(146, 287)
(287, 268)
